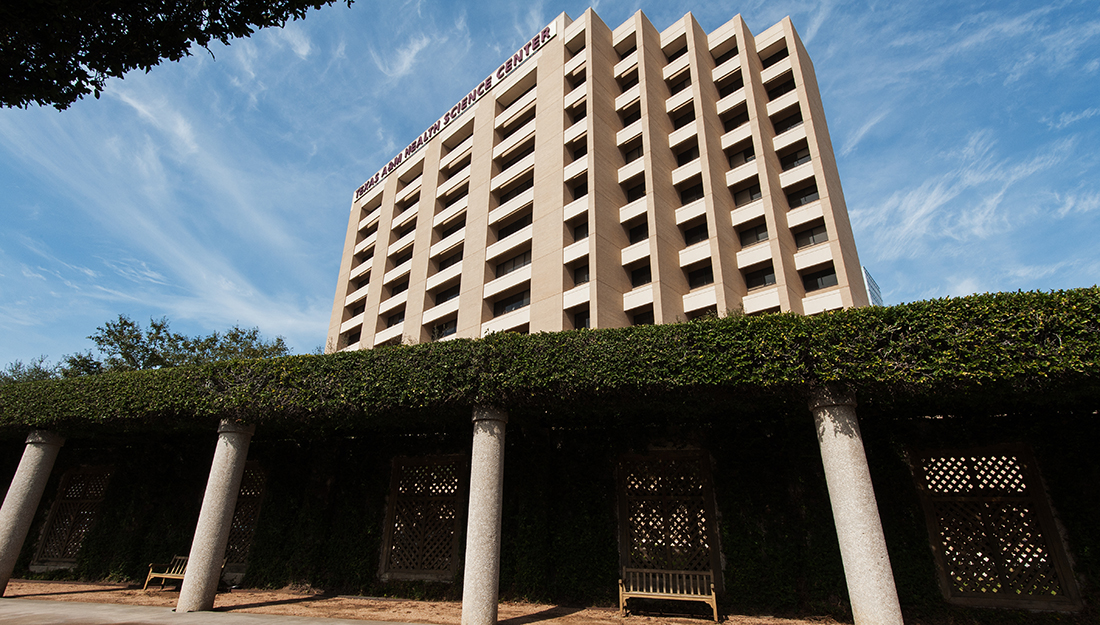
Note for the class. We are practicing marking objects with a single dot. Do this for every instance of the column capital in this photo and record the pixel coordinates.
(489, 413)
(228, 426)
(831, 396)
(45, 437)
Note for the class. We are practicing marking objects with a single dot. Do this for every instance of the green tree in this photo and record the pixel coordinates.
(57, 51)
(123, 345)
(35, 370)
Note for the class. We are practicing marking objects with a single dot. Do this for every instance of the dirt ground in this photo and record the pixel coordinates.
(298, 602)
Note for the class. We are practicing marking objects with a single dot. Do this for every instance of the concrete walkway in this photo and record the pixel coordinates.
(40, 612)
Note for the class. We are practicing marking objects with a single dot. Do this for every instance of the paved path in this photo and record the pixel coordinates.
(40, 612)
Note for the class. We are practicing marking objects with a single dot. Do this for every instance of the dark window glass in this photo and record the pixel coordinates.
(453, 228)
(761, 277)
(688, 155)
(399, 287)
(753, 235)
(640, 276)
(629, 82)
(819, 279)
(627, 52)
(451, 202)
(794, 159)
(730, 86)
(362, 282)
(395, 319)
(696, 234)
(745, 196)
(700, 277)
(579, 113)
(514, 227)
(803, 196)
(407, 230)
(744, 156)
(580, 231)
(580, 190)
(353, 338)
(451, 260)
(685, 119)
(635, 193)
(735, 121)
(775, 91)
(788, 122)
(677, 54)
(516, 126)
(632, 117)
(403, 258)
(357, 310)
(692, 193)
(582, 320)
(811, 236)
(446, 328)
(446, 295)
(775, 58)
(643, 318)
(514, 263)
(580, 151)
(518, 156)
(515, 191)
(633, 153)
(725, 56)
(680, 84)
(514, 302)
(639, 232)
(580, 274)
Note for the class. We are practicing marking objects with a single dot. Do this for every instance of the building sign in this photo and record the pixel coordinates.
(458, 109)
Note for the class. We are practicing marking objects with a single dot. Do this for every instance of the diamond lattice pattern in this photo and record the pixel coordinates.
(425, 516)
(245, 515)
(666, 506)
(73, 514)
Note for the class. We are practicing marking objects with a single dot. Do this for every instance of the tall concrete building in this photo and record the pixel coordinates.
(602, 178)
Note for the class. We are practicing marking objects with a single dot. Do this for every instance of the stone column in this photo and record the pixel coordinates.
(862, 546)
(204, 564)
(23, 497)
(480, 579)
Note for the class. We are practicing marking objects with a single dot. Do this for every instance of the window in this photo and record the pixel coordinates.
(731, 85)
(407, 230)
(688, 155)
(395, 318)
(515, 226)
(640, 276)
(643, 318)
(351, 338)
(677, 54)
(639, 232)
(725, 56)
(451, 260)
(580, 189)
(628, 82)
(794, 159)
(446, 328)
(513, 302)
(580, 275)
(580, 231)
(791, 121)
(456, 197)
(701, 277)
(364, 281)
(741, 157)
(775, 58)
(632, 153)
(632, 116)
(514, 263)
(578, 80)
(447, 294)
(776, 90)
(399, 287)
(747, 195)
(403, 258)
(516, 190)
(580, 150)
(357, 310)
(685, 118)
(679, 83)
(811, 236)
(625, 53)
(696, 234)
(691, 194)
(511, 130)
(753, 235)
(518, 156)
(636, 192)
(760, 277)
(803, 196)
(453, 228)
(578, 113)
(819, 279)
(735, 121)
(582, 320)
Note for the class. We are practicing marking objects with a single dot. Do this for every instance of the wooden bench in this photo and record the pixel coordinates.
(165, 572)
(668, 585)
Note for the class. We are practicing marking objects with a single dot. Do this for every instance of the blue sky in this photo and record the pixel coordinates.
(215, 191)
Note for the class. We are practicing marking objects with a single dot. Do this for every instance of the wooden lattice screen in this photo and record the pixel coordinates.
(245, 514)
(71, 517)
(666, 514)
(422, 530)
(992, 530)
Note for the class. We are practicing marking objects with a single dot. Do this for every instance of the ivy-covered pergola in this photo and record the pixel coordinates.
(983, 354)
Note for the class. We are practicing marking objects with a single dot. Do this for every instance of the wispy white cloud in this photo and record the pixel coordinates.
(295, 38)
(1065, 119)
(853, 140)
(30, 273)
(1077, 202)
(402, 59)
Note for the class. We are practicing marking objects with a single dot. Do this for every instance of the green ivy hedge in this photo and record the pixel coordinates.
(993, 350)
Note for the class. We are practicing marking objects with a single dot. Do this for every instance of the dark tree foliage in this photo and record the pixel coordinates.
(57, 51)
(35, 370)
(125, 346)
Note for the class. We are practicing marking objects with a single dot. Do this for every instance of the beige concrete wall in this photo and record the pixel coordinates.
(589, 47)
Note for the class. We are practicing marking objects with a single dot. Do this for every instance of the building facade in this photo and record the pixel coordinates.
(605, 178)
